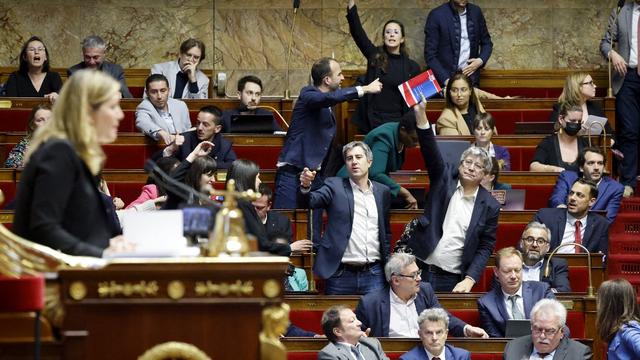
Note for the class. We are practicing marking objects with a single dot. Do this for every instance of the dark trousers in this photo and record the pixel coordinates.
(628, 126)
(440, 280)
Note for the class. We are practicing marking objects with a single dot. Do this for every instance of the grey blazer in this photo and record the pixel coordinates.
(112, 69)
(370, 348)
(149, 122)
(521, 348)
(170, 69)
(619, 33)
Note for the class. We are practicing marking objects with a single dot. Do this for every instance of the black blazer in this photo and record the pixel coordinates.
(58, 203)
(558, 278)
(278, 226)
(596, 234)
(222, 152)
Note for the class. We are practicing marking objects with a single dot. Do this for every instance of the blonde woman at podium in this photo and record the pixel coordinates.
(58, 202)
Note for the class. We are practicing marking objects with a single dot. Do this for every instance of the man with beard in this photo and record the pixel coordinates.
(207, 129)
(249, 94)
(575, 224)
(535, 245)
(591, 162)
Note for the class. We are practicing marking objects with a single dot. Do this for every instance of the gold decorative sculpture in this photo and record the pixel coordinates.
(228, 237)
(275, 320)
(174, 350)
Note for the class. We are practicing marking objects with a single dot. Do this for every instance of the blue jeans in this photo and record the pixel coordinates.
(628, 126)
(347, 282)
(442, 281)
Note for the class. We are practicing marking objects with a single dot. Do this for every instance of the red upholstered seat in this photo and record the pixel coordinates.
(21, 294)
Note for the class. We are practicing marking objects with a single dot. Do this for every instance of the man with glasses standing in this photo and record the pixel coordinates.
(548, 339)
(514, 298)
(457, 232)
(535, 245)
(393, 310)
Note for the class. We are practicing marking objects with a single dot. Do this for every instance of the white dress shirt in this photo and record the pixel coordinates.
(364, 242)
(633, 49)
(535, 356)
(519, 302)
(403, 317)
(465, 45)
(569, 233)
(448, 253)
(430, 356)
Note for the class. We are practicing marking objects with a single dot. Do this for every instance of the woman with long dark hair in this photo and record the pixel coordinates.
(34, 78)
(618, 319)
(390, 63)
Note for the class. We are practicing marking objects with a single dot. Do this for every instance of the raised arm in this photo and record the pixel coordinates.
(357, 32)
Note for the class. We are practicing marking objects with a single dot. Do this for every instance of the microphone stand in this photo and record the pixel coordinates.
(547, 269)
(604, 134)
(287, 91)
(615, 20)
(280, 116)
(175, 186)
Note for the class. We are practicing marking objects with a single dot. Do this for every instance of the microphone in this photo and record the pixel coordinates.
(620, 4)
(296, 4)
(179, 189)
(287, 92)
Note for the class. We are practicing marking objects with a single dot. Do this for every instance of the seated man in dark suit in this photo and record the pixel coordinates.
(346, 338)
(357, 240)
(277, 225)
(548, 339)
(513, 299)
(592, 164)
(207, 129)
(535, 245)
(249, 94)
(434, 324)
(575, 224)
(457, 232)
(393, 310)
(93, 49)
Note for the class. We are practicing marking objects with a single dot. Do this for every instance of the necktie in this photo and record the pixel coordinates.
(516, 314)
(578, 236)
(356, 352)
(435, 358)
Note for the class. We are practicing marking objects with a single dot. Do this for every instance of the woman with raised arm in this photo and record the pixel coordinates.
(390, 63)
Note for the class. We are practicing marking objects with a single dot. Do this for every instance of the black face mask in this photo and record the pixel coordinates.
(572, 128)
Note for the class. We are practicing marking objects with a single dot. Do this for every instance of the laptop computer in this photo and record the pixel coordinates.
(517, 328)
(253, 123)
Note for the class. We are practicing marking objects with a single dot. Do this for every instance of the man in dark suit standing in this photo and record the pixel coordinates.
(393, 310)
(208, 126)
(433, 332)
(626, 86)
(513, 299)
(457, 232)
(456, 38)
(93, 49)
(356, 243)
(548, 340)
(575, 224)
(347, 341)
(534, 244)
(591, 162)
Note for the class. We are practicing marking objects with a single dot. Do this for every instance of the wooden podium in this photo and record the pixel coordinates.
(131, 306)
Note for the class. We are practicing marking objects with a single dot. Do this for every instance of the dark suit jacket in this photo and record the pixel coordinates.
(228, 114)
(481, 233)
(522, 347)
(596, 234)
(112, 69)
(374, 310)
(558, 276)
(58, 203)
(609, 193)
(336, 196)
(442, 40)
(451, 353)
(370, 348)
(278, 225)
(493, 312)
(222, 151)
(313, 126)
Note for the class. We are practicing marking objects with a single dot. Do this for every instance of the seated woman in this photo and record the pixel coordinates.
(58, 203)
(151, 191)
(461, 106)
(40, 114)
(33, 78)
(186, 81)
(484, 127)
(579, 89)
(197, 171)
(559, 151)
(490, 180)
(388, 142)
(390, 63)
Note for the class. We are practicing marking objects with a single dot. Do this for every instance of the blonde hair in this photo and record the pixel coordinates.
(571, 92)
(82, 93)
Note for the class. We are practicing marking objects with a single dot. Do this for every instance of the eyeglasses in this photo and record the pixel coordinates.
(413, 276)
(468, 163)
(539, 241)
(547, 332)
(38, 49)
(588, 83)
